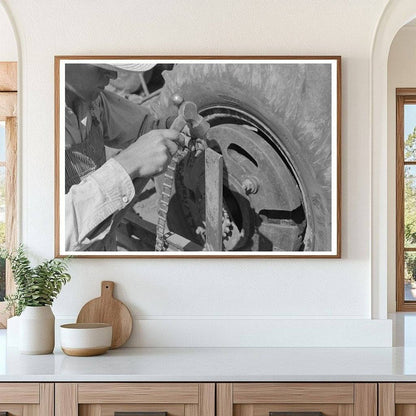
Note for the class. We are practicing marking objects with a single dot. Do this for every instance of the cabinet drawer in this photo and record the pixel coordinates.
(138, 393)
(148, 399)
(297, 399)
(19, 393)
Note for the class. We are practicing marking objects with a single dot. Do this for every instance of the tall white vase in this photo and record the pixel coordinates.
(37, 330)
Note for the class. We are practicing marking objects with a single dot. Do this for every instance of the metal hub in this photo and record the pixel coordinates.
(263, 208)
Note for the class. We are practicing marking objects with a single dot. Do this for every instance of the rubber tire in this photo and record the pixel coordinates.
(293, 101)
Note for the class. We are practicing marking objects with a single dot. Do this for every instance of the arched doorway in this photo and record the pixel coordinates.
(8, 149)
(396, 14)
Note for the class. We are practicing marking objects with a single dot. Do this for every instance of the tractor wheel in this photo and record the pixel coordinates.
(272, 124)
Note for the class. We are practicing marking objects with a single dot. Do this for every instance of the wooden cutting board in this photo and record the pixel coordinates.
(107, 309)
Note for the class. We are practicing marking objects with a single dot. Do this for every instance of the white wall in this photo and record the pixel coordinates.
(8, 47)
(182, 299)
(401, 74)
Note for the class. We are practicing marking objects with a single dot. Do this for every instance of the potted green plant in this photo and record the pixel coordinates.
(36, 289)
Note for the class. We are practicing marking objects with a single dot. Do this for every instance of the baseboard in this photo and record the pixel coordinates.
(166, 332)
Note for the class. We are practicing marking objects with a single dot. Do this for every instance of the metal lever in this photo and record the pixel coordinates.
(296, 414)
(138, 414)
(188, 115)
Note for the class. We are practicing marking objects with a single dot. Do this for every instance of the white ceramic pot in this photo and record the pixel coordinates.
(86, 339)
(37, 330)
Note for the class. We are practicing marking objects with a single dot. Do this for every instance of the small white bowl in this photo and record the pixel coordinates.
(83, 340)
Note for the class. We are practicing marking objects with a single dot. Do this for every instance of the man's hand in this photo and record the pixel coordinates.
(150, 154)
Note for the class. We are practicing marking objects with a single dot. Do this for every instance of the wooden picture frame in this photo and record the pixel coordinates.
(269, 183)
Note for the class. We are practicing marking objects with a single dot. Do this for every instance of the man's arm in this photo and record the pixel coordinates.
(89, 205)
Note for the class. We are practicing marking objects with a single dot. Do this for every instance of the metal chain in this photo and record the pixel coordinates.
(167, 188)
(188, 115)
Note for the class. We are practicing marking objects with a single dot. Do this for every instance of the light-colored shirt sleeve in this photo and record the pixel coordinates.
(90, 205)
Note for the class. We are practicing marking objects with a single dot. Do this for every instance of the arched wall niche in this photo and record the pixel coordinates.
(396, 14)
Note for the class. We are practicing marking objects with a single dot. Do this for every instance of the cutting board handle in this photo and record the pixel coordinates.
(107, 289)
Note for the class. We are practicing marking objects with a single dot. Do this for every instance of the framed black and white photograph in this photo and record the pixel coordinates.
(197, 156)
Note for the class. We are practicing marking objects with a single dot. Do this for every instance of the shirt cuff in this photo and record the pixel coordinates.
(115, 183)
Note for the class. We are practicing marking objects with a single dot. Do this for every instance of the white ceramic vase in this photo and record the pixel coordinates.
(37, 330)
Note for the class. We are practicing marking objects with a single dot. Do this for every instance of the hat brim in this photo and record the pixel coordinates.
(139, 67)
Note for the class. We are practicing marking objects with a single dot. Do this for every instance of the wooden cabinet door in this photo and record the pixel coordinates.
(27, 399)
(152, 399)
(397, 399)
(297, 399)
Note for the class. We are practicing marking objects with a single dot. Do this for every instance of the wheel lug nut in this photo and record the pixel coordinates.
(250, 185)
(200, 231)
